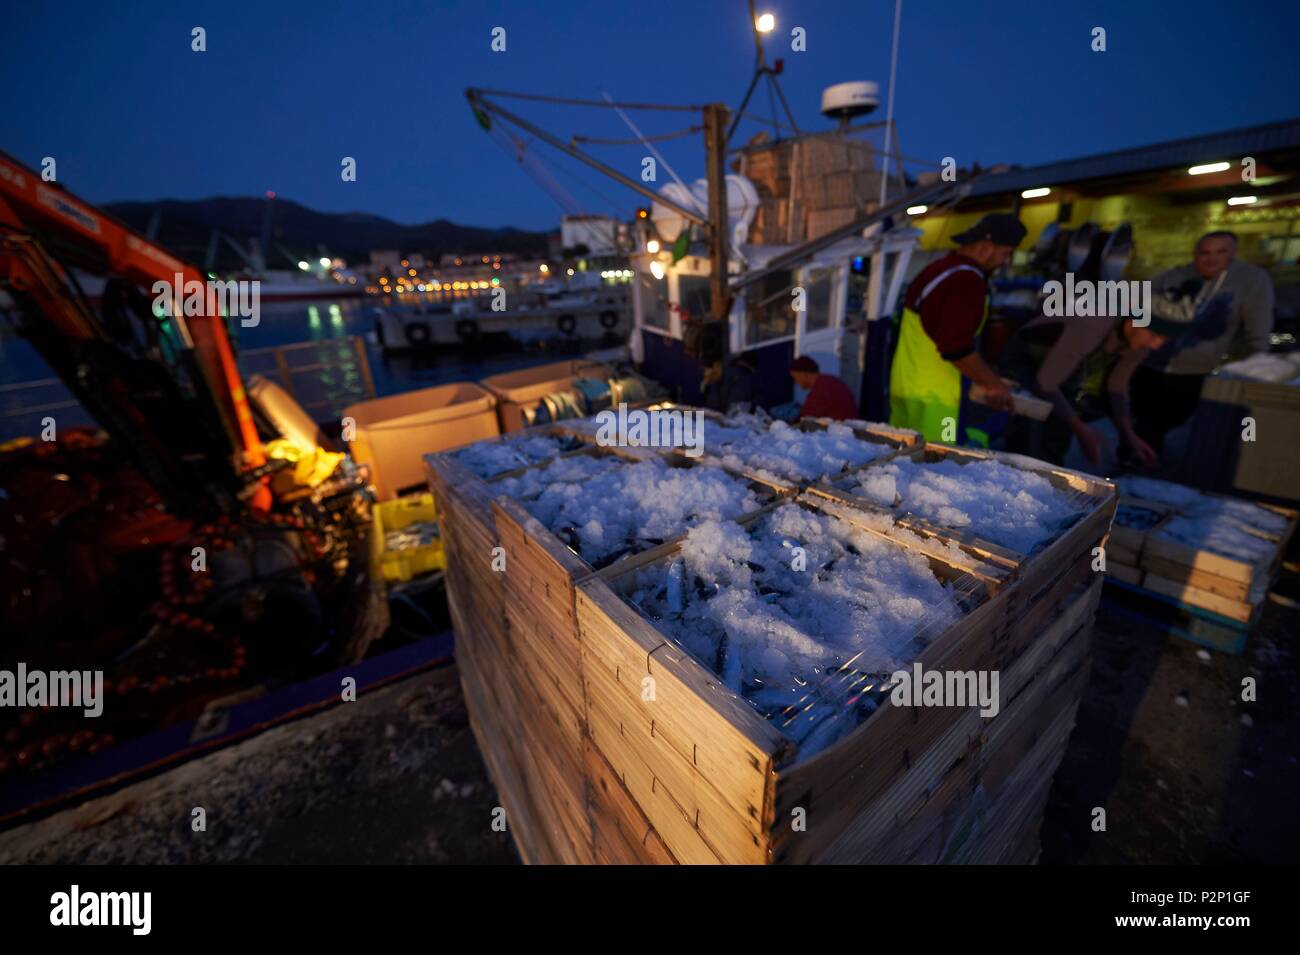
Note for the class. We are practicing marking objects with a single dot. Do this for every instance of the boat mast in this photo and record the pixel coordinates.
(715, 146)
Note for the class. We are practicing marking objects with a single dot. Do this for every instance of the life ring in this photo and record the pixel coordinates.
(467, 330)
(566, 324)
(608, 319)
(417, 333)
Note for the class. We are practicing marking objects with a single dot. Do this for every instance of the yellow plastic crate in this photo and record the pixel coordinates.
(405, 563)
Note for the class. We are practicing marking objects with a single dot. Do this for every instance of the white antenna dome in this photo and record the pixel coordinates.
(846, 101)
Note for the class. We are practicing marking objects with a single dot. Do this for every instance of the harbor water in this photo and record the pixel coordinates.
(308, 334)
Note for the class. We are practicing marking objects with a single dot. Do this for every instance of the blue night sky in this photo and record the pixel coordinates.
(285, 90)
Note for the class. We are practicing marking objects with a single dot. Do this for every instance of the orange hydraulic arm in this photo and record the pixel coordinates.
(34, 213)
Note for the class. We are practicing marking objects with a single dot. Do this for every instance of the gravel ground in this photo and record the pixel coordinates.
(1187, 771)
(393, 778)
(396, 777)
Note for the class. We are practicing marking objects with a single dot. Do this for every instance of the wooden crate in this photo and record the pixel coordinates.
(517, 644)
(539, 593)
(936, 809)
(720, 784)
(528, 730)
(1226, 593)
(895, 439)
(1095, 497)
(585, 430)
(553, 661)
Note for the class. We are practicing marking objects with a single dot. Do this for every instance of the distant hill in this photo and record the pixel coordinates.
(297, 232)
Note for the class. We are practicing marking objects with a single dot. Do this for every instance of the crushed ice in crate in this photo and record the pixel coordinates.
(1008, 506)
(487, 459)
(1222, 532)
(810, 648)
(1136, 518)
(1228, 526)
(734, 427)
(606, 507)
(794, 454)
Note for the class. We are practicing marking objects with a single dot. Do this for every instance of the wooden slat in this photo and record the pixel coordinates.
(1231, 589)
(727, 741)
(1194, 596)
(1176, 552)
(621, 834)
(622, 734)
(1124, 572)
(989, 562)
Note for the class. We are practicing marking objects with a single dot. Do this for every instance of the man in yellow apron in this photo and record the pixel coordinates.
(943, 313)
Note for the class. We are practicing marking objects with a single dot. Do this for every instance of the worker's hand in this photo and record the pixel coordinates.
(1091, 444)
(997, 395)
(1146, 455)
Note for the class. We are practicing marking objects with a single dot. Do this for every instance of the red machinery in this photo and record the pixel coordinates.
(168, 389)
(98, 538)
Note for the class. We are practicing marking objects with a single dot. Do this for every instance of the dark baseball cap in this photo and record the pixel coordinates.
(1002, 228)
(804, 363)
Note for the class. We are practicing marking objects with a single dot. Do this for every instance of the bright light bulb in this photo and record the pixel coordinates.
(657, 269)
(304, 266)
(1242, 200)
(766, 23)
(917, 210)
(1035, 193)
(652, 246)
(1207, 168)
(324, 262)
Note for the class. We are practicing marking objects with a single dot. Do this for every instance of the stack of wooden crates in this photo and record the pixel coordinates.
(591, 767)
(1209, 598)
(809, 186)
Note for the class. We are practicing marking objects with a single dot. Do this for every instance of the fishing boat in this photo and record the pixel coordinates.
(539, 313)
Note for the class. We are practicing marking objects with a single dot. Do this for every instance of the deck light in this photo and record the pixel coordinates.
(917, 210)
(1207, 168)
(1243, 200)
(1035, 193)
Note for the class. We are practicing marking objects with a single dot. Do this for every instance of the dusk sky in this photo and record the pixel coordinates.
(284, 91)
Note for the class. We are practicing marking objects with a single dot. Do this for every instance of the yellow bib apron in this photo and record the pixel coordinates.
(925, 391)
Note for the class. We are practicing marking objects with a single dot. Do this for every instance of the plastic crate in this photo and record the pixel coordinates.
(394, 433)
(405, 563)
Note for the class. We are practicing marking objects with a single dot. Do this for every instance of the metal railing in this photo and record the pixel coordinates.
(329, 375)
(324, 377)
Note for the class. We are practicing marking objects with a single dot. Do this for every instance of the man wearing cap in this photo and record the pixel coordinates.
(828, 397)
(943, 312)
